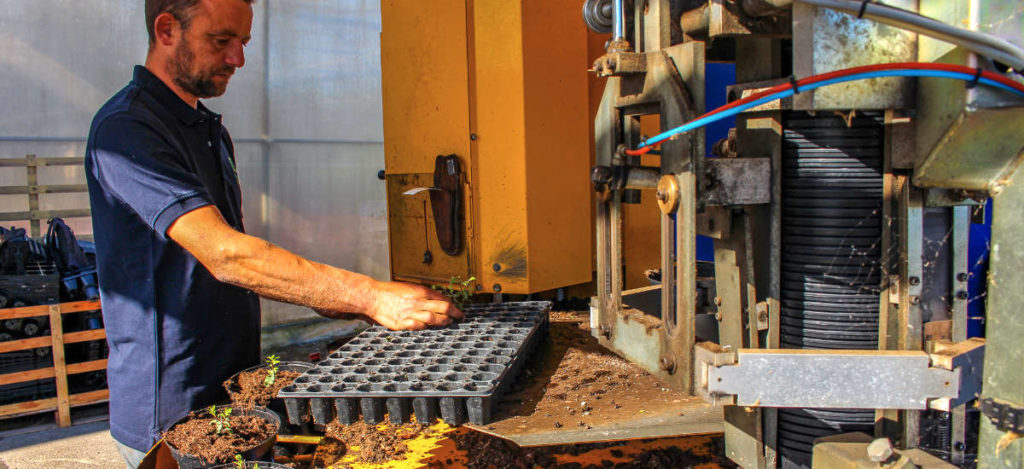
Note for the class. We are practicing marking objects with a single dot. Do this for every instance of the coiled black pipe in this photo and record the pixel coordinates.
(831, 256)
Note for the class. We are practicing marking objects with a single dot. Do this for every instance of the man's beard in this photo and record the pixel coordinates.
(195, 82)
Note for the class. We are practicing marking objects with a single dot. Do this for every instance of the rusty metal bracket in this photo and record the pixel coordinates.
(726, 18)
(736, 181)
(620, 63)
(1005, 416)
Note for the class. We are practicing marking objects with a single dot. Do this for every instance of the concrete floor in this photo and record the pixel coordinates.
(80, 446)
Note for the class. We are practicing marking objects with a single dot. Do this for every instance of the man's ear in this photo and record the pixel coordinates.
(165, 28)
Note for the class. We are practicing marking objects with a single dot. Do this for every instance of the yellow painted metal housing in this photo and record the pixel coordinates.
(503, 85)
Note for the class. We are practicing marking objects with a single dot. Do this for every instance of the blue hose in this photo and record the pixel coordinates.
(696, 124)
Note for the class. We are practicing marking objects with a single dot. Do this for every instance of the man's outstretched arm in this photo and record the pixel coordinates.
(275, 273)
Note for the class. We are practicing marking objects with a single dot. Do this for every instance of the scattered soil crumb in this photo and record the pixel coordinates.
(574, 381)
(375, 445)
(250, 390)
(197, 436)
(329, 452)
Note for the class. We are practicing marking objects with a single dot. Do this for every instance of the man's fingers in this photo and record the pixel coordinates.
(411, 324)
(444, 307)
(430, 318)
(435, 306)
(454, 312)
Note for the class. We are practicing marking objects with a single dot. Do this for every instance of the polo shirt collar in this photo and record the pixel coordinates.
(146, 80)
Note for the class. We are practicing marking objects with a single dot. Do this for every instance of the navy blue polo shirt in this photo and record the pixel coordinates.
(175, 332)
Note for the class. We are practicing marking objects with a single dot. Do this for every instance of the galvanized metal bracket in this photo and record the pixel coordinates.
(851, 379)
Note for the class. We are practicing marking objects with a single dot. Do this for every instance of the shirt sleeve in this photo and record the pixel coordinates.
(135, 163)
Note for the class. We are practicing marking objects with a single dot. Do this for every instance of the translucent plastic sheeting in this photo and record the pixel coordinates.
(304, 112)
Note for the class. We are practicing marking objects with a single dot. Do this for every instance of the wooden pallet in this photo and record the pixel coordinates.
(60, 370)
(34, 216)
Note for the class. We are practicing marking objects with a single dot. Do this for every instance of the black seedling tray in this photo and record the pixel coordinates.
(457, 371)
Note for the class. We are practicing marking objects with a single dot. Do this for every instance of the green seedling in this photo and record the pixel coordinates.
(272, 372)
(221, 420)
(240, 462)
(458, 291)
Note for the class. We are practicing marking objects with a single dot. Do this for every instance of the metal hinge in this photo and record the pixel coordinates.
(1006, 416)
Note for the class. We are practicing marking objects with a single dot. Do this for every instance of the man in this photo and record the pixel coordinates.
(178, 277)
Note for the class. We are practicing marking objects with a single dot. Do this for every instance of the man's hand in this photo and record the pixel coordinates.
(397, 305)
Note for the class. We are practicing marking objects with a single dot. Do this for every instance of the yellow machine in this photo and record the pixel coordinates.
(503, 87)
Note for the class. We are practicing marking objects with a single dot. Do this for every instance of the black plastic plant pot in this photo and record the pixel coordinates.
(262, 452)
(231, 385)
(276, 404)
(253, 465)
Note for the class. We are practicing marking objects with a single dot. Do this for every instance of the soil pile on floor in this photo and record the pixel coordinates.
(488, 452)
(250, 390)
(328, 453)
(198, 436)
(574, 382)
(485, 452)
(375, 445)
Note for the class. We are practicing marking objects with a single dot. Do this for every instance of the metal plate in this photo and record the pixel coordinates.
(845, 379)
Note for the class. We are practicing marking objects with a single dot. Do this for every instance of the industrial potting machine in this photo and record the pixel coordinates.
(868, 136)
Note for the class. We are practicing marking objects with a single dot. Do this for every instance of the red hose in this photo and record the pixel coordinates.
(842, 73)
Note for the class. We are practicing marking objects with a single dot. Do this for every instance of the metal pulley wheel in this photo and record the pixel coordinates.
(668, 194)
(597, 14)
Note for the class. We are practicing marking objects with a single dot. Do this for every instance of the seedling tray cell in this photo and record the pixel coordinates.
(455, 372)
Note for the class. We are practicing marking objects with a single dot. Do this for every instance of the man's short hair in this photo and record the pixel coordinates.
(181, 10)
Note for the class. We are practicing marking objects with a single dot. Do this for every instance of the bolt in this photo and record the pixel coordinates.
(915, 300)
(959, 446)
(880, 450)
(381, 174)
(472, 136)
(718, 316)
(479, 287)
(915, 281)
(962, 277)
(660, 195)
(762, 316)
(496, 267)
(497, 287)
(718, 301)
(605, 331)
(668, 364)
(961, 295)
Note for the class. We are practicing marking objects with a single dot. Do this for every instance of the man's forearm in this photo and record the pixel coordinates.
(278, 274)
(270, 271)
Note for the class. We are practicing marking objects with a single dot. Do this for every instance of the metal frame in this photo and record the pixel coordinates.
(661, 341)
(918, 190)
